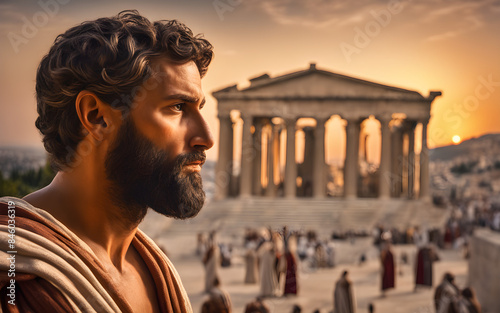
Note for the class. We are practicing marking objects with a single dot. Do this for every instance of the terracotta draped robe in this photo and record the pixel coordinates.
(55, 271)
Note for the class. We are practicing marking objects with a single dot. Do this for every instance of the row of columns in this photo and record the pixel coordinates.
(251, 159)
(404, 167)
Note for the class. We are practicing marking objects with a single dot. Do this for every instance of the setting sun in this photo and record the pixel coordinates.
(456, 139)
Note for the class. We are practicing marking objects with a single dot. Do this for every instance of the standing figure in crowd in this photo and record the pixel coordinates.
(251, 263)
(448, 241)
(201, 244)
(280, 262)
(371, 308)
(226, 252)
(388, 270)
(118, 102)
(468, 302)
(446, 295)
(291, 264)
(320, 256)
(218, 301)
(420, 237)
(268, 277)
(211, 262)
(330, 254)
(426, 256)
(343, 296)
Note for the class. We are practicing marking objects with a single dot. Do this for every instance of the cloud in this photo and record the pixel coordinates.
(9, 16)
(455, 8)
(495, 7)
(444, 18)
(461, 18)
(471, 23)
(314, 13)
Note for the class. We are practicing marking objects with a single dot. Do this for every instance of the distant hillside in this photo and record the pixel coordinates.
(21, 158)
(486, 146)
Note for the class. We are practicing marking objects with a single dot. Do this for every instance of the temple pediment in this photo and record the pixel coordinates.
(317, 84)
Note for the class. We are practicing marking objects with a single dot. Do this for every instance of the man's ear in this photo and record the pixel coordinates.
(96, 116)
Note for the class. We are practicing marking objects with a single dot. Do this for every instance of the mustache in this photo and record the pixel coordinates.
(190, 157)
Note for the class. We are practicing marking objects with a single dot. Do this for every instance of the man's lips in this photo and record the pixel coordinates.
(196, 165)
(198, 162)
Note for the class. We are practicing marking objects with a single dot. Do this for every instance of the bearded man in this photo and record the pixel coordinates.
(119, 103)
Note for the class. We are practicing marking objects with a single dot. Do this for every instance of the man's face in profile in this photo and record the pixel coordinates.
(158, 152)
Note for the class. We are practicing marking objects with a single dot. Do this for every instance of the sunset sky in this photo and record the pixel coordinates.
(422, 45)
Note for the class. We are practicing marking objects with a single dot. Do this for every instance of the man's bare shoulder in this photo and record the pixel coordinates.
(43, 199)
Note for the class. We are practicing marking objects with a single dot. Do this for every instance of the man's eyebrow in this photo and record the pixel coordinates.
(186, 98)
(182, 97)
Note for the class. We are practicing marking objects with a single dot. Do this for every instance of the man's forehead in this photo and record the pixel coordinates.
(176, 78)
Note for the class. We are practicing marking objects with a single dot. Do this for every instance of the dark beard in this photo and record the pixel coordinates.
(143, 176)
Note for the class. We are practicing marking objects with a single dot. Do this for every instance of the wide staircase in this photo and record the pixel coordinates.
(232, 216)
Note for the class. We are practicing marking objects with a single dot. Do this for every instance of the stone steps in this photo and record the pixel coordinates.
(232, 216)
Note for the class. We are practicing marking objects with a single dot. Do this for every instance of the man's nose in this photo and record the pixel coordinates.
(203, 138)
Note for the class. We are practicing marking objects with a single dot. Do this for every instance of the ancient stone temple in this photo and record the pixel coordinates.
(270, 108)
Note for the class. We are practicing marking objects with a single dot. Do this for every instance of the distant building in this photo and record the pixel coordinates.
(270, 108)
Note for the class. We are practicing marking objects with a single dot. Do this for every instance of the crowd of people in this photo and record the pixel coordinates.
(471, 212)
(269, 261)
(272, 259)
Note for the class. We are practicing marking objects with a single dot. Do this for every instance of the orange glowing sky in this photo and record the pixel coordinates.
(422, 45)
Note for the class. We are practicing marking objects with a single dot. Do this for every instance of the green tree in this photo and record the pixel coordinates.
(22, 183)
(47, 174)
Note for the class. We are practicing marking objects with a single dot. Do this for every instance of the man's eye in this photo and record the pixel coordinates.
(178, 106)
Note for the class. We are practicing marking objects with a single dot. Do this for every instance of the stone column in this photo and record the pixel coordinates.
(291, 165)
(307, 166)
(247, 156)
(351, 165)
(257, 161)
(277, 155)
(397, 160)
(319, 184)
(424, 164)
(385, 159)
(270, 161)
(224, 167)
(411, 159)
(233, 183)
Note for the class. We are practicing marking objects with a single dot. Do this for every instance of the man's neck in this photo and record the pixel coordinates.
(82, 203)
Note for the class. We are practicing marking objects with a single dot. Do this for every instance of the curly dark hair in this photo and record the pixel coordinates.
(110, 57)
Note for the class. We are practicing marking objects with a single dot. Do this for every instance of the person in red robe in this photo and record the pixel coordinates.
(387, 262)
(291, 265)
(291, 274)
(426, 256)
